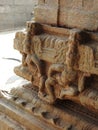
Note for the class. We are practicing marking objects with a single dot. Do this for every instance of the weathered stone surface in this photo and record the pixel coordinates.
(70, 13)
(8, 124)
(59, 49)
(23, 105)
(47, 12)
(62, 67)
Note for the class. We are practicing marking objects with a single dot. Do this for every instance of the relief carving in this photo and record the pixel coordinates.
(60, 64)
(57, 62)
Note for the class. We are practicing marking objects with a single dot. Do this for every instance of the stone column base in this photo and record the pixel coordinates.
(21, 109)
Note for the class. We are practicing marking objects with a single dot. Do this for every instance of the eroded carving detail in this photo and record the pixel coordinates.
(58, 63)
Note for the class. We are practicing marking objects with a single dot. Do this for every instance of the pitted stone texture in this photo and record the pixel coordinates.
(47, 12)
(78, 13)
(81, 14)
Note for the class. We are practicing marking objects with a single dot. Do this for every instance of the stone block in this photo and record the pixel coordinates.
(63, 19)
(88, 4)
(95, 5)
(72, 13)
(52, 3)
(77, 4)
(78, 19)
(7, 123)
(65, 3)
(81, 19)
(46, 15)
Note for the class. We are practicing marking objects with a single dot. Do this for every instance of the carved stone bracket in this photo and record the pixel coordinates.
(56, 60)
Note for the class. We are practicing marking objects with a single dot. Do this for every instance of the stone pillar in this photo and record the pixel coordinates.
(60, 64)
